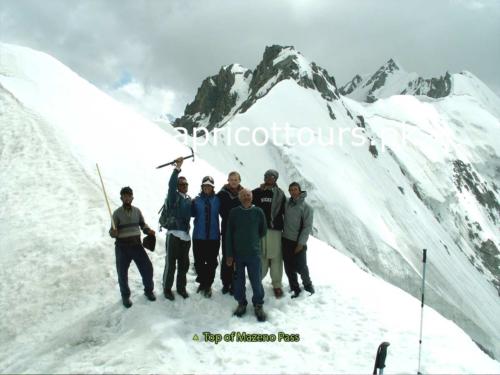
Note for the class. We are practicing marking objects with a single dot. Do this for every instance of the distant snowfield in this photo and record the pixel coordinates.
(60, 310)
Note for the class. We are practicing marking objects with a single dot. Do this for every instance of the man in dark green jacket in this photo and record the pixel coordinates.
(178, 208)
(245, 228)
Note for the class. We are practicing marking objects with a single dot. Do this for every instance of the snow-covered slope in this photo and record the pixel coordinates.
(383, 206)
(59, 306)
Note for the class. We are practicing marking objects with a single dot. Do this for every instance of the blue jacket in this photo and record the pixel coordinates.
(178, 206)
(205, 210)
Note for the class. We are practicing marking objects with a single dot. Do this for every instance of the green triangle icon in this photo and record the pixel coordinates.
(196, 338)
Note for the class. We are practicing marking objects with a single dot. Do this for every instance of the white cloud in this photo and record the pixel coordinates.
(152, 102)
(173, 45)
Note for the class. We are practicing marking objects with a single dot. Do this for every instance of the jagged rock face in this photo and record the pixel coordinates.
(369, 90)
(466, 177)
(289, 67)
(377, 81)
(487, 253)
(433, 87)
(216, 100)
(351, 86)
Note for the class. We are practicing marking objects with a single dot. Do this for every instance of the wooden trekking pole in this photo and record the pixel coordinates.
(106, 197)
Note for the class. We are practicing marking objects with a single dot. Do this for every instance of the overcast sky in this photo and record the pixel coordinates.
(161, 50)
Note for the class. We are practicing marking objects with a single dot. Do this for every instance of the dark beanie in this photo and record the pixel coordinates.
(272, 172)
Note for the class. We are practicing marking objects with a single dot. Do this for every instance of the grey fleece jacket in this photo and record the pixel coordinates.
(298, 219)
(129, 222)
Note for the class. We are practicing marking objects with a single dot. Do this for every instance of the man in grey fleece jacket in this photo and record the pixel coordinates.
(297, 227)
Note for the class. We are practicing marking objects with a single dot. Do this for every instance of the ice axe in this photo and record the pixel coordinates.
(173, 162)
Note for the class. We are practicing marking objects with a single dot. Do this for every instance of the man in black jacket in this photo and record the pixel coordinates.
(228, 197)
(271, 199)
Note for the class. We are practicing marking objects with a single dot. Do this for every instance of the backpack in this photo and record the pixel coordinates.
(165, 220)
(163, 217)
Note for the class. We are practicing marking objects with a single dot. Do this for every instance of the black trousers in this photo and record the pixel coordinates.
(205, 260)
(295, 264)
(226, 272)
(177, 252)
(125, 254)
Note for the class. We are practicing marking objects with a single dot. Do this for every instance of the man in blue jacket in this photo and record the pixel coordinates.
(178, 242)
(206, 235)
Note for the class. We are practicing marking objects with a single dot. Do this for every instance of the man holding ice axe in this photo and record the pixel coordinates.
(178, 216)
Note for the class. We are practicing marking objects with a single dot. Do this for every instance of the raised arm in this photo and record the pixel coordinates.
(172, 186)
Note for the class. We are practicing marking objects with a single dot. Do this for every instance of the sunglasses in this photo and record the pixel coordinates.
(183, 184)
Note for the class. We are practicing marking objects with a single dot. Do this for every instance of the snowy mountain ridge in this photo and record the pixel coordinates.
(61, 265)
(391, 79)
(424, 177)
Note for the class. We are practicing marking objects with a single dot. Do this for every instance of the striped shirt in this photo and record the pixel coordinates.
(129, 222)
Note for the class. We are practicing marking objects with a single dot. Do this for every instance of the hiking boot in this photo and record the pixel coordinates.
(278, 292)
(231, 290)
(207, 292)
(240, 310)
(309, 288)
(183, 293)
(201, 288)
(168, 294)
(225, 289)
(259, 313)
(127, 302)
(296, 293)
(150, 296)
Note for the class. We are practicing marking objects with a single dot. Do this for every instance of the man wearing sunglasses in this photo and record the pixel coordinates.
(178, 242)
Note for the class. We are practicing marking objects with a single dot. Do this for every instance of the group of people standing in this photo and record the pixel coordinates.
(260, 231)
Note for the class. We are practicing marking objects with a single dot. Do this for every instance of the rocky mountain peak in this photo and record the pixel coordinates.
(391, 66)
(379, 79)
(216, 98)
(352, 85)
(235, 89)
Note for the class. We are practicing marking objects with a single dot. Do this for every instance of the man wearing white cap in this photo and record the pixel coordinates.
(206, 235)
